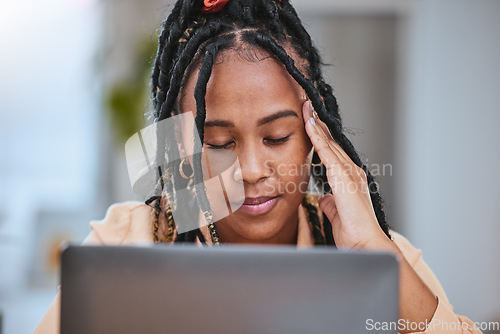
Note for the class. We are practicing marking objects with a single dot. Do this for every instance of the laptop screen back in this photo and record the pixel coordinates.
(229, 289)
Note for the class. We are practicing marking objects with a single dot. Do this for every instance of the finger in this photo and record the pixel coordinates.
(308, 112)
(328, 156)
(337, 171)
(320, 123)
(326, 131)
(329, 152)
(328, 135)
(341, 151)
(328, 206)
(332, 141)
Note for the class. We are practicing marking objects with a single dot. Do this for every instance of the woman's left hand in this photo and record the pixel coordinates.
(354, 224)
(349, 207)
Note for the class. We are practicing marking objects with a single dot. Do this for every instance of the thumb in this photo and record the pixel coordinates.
(328, 206)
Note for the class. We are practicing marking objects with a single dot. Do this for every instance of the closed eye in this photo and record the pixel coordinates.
(271, 141)
(277, 141)
(219, 147)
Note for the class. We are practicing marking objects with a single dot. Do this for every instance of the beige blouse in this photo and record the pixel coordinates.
(131, 223)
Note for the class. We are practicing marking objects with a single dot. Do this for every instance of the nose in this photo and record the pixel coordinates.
(253, 164)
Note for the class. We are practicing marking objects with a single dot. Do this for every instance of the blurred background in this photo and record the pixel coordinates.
(418, 83)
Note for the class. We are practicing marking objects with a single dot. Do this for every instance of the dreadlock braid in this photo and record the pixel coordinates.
(199, 93)
(181, 65)
(174, 27)
(162, 46)
(317, 231)
(190, 37)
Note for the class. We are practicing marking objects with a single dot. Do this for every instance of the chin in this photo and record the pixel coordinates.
(251, 230)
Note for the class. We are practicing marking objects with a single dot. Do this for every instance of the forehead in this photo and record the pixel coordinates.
(244, 83)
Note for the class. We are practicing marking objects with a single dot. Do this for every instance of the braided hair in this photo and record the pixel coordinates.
(190, 37)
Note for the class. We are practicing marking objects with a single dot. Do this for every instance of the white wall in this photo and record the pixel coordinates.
(448, 136)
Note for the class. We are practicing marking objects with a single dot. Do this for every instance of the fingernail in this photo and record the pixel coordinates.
(313, 122)
(315, 115)
(311, 106)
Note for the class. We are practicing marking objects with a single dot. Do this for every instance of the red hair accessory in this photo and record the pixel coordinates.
(212, 6)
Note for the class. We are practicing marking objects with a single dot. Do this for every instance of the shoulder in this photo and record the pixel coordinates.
(123, 222)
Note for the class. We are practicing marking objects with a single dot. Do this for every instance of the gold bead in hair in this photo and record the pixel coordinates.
(189, 31)
(211, 226)
(187, 35)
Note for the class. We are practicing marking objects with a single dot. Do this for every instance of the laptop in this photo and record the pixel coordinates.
(227, 289)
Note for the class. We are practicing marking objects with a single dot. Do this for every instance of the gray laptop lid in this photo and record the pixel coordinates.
(229, 289)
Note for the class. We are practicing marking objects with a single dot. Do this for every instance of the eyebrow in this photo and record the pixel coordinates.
(262, 121)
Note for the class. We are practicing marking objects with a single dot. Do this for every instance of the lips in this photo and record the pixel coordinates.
(257, 200)
(258, 205)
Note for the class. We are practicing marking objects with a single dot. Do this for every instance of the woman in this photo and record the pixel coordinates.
(250, 75)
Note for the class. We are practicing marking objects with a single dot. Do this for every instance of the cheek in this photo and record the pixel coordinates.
(293, 166)
(301, 149)
(302, 142)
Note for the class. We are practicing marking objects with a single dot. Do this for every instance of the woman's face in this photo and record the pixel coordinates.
(254, 108)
